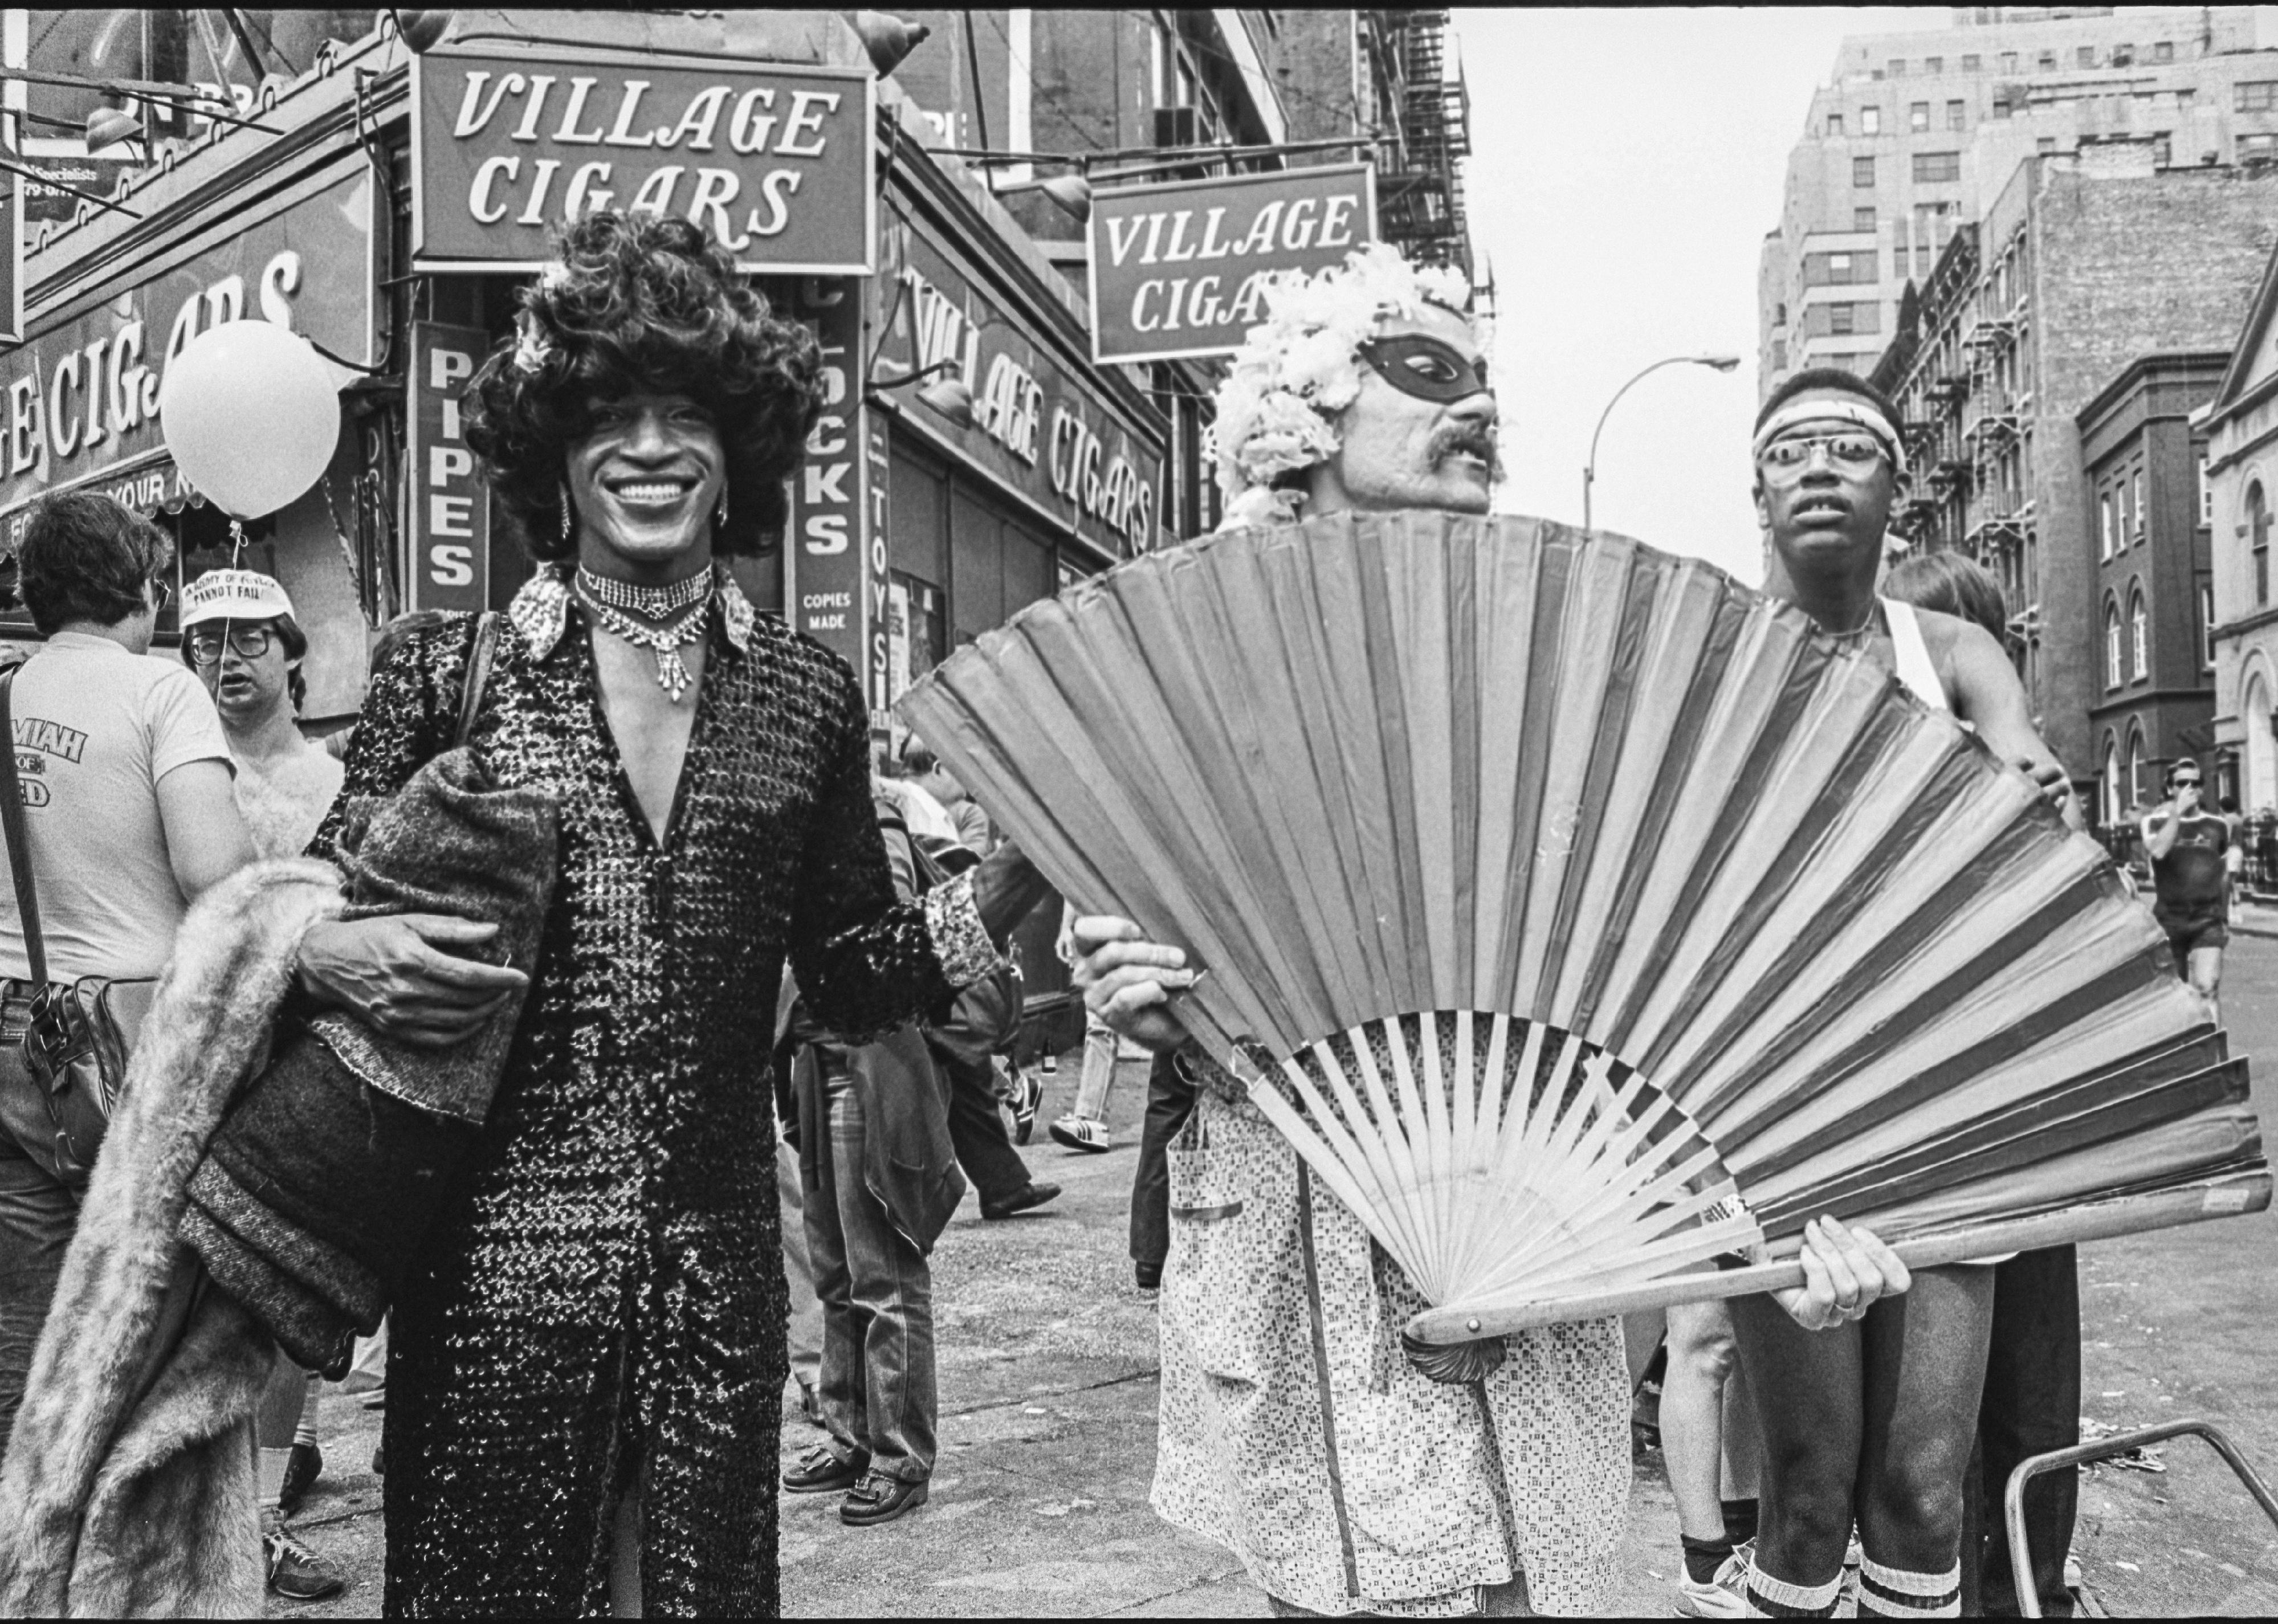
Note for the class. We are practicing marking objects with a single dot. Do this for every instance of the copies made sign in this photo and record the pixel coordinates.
(1180, 268)
(773, 160)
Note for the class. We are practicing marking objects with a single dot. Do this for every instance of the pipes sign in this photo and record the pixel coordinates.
(449, 512)
(772, 159)
(1180, 268)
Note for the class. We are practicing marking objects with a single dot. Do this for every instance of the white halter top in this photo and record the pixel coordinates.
(1916, 669)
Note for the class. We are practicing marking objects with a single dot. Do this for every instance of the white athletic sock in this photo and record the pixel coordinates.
(306, 1432)
(1777, 1598)
(1900, 1593)
(269, 1466)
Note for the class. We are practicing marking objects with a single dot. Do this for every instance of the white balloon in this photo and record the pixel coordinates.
(251, 415)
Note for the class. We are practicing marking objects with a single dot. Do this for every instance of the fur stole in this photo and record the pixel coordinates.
(111, 1506)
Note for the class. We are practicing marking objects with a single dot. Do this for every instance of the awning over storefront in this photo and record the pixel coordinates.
(148, 484)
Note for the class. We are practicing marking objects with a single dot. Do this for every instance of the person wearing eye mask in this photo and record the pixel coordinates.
(1350, 1474)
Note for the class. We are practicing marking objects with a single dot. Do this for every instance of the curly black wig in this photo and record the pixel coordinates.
(639, 302)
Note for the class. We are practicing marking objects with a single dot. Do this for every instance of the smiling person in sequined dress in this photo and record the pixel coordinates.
(586, 1369)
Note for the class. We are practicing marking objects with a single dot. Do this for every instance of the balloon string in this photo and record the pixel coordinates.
(236, 544)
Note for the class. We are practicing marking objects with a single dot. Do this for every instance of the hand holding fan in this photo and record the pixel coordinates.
(1580, 915)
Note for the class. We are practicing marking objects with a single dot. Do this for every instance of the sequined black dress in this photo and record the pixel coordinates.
(602, 1302)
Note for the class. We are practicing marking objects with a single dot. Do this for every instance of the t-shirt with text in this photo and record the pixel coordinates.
(96, 727)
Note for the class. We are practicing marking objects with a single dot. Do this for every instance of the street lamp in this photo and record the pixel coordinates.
(1722, 363)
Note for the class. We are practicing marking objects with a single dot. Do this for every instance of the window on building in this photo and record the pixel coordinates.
(1779, 316)
(2046, 62)
(2256, 148)
(1842, 318)
(1968, 63)
(2008, 62)
(1900, 268)
(2136, 769)
(1779, 354)
(1897, 67)
(1838, 267)
(1932, 166)
(2122, 54)
(1870, 121)
(2107, 527)
(2255, 96)
(1933, 65)
(1835, 123)
(2139, 638)
(1918, 115)
(2206, 624)
(2258, 541)
(2112, 645)
(2163, 151)
(1957, 115)
(2086, 55)
(2045, 143)
(1862, 171)
(2163, 51)
(2185, 96)
(2135, 502)
(2121, 495)
(1862, 219)
(2206, 497)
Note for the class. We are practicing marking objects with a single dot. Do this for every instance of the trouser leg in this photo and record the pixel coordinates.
(37, 1218)
(891, 1291)
(2031, 1405)
(840, 1402)
(804, 1331)
(1170, 1101)
(976, 1132)
(1099, 1078)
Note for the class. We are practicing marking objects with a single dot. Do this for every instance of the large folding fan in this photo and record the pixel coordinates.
(1580, 915)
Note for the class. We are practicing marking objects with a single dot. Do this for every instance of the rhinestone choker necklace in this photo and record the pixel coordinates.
(657, 603)
(690, 600)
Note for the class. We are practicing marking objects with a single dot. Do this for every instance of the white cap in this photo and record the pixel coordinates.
(234, 595)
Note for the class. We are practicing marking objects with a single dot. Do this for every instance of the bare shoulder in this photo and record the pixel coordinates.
(1972, 662)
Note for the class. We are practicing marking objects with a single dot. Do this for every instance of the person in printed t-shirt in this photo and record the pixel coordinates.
(2186, 843)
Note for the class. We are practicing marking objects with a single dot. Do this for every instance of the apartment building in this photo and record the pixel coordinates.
(1915, 135)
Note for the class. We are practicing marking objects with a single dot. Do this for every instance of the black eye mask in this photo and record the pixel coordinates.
(1428, 368)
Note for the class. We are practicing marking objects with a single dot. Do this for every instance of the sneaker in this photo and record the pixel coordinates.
(302, 1468)
(1725, 1596)
(1027, 1195)
(293, 1571)
(1028, 1096)
(878, 1499)
(1081, 1133)
(821, 1470)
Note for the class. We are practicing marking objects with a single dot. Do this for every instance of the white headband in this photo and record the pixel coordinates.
(1819, 409)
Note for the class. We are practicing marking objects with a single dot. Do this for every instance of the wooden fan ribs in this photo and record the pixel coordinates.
(1579, 892)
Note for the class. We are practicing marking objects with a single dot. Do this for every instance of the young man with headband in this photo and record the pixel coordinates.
(1873, 1423)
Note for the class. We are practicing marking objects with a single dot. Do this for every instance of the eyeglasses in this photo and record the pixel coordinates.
(1846, 451)
(1428, 368)
(247, 643)
(161, 594)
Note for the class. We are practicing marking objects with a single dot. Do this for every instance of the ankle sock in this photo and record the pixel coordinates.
(1739, 1520)
(1704, 1556)
(306, 1432)
(1901, 1593)
(1777, 1598)
(270, 1476)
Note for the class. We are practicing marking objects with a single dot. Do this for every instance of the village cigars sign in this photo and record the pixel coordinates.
(771, 159)
(1180, 268)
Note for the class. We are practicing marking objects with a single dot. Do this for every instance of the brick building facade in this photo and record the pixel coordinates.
(2140, 457)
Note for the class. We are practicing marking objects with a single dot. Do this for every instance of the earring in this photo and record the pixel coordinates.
(569, 523)
(719, 514)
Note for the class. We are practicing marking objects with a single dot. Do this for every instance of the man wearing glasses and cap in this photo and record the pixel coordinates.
(238, 636)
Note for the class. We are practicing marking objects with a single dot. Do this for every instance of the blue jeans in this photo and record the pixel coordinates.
(876, 1392)
(38, 1215)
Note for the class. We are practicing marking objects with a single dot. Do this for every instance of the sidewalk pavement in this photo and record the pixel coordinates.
(1048, 1392)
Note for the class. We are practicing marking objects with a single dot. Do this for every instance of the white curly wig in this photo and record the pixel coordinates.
(1298, 368)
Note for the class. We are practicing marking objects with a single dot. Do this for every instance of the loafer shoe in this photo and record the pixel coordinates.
(879, 1499)
(1081, 1133)
(819, 1471)
(1027, 1195)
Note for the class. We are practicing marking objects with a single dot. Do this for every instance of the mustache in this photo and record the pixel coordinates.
(1475, 439)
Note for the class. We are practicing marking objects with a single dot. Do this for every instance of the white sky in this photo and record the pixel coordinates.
(1625, 166)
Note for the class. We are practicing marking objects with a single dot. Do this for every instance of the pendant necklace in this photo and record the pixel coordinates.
(1857, 634)
(677, 610)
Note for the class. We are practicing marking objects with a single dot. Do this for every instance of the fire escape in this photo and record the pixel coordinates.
(1419, 196)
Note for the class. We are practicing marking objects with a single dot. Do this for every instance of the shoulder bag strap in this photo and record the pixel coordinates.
(11, 819)
(479, 656)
